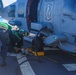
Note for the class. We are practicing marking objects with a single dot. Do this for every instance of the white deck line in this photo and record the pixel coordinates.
(70, 67)
(26, 68)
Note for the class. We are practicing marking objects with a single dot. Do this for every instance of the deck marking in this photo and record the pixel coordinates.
(26, 69)
(70, 67)
(11, 54)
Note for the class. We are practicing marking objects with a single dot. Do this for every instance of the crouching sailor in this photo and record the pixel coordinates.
(4, 27)
(6, 38)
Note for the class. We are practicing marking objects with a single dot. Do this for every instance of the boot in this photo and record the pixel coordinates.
(3, 64)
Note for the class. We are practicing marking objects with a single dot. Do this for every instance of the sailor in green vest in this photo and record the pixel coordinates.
(9, 35)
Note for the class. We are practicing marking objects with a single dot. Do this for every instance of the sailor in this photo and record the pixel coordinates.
(16, 39)
(5, 39)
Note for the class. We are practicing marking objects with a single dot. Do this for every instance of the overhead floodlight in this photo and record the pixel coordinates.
(8, 2)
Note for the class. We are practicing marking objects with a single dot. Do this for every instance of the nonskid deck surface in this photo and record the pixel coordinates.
(11, 68)
(53, 63)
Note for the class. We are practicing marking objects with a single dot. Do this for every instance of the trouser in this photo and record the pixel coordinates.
(4, 41)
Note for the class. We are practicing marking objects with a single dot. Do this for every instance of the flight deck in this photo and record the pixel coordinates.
(54, 62)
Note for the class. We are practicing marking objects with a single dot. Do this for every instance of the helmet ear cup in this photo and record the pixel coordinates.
(37, 44)
(22, 32)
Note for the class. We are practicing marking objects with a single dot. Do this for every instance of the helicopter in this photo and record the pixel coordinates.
(55, 20)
